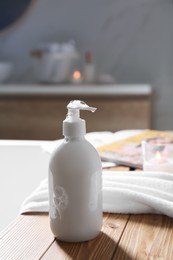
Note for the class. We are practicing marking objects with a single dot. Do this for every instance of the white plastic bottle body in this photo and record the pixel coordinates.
(75, 191)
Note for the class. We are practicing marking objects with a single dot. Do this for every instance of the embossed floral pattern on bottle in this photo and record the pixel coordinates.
(60, 199)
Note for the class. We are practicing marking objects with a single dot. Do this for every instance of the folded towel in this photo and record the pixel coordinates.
(123, 192)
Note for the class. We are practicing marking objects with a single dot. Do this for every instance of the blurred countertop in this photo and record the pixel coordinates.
(63, 90)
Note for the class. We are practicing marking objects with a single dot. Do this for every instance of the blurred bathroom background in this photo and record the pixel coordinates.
(131, 40)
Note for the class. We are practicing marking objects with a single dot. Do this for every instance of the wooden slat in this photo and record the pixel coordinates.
(147, 237)
(29, 239)
(119, 168)
(140, 237)
(10, 227)
(102, 247)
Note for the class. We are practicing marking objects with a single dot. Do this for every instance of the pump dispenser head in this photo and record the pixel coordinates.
(73, 125)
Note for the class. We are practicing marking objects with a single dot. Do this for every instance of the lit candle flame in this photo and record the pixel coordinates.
(158, 157)
(76, 74)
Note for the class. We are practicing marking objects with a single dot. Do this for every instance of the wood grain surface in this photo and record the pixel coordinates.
(121, 237)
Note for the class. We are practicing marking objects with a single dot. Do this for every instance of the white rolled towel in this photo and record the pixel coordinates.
(123, 192)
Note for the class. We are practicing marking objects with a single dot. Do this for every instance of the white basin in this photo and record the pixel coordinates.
(23, 165)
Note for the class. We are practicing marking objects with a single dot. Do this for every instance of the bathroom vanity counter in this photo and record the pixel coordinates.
(63, 90)
(37, 111)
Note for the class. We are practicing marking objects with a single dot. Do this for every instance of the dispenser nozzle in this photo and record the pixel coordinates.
(80, 105)
(73, 125)
(74, 108)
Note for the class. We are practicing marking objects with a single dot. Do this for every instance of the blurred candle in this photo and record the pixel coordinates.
(76, 77)
(158, 163)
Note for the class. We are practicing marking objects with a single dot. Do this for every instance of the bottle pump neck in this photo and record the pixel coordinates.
(73, 125)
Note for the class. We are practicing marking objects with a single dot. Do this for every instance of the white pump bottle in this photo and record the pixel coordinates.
(75, 182)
